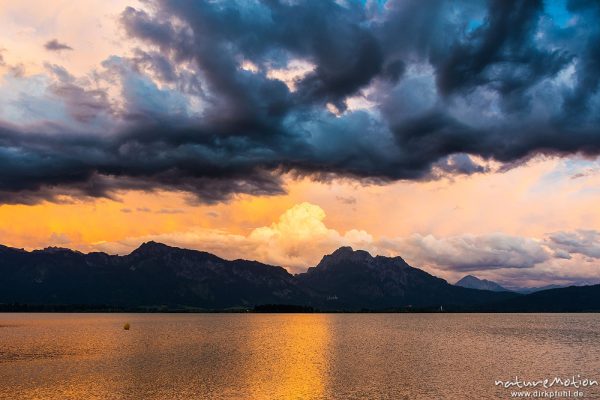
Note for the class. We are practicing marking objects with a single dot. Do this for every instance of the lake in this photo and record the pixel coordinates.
(292, 356)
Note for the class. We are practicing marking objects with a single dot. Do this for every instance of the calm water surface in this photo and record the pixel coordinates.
(290, 356)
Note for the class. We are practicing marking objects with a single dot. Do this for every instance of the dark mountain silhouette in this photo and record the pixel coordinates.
(473, 282)
(349, 279)
(152, 275)
(569, 299)
(528, 290)
(157, 276)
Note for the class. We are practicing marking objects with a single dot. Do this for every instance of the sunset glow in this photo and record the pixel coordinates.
(338, 168)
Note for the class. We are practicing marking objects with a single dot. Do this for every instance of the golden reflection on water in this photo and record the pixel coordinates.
(312, 356)
(291, 357)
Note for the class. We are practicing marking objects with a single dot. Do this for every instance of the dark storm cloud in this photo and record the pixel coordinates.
(158, 63)
(446, 81)
(44, 166)
(502, 53)
(55, 45)
(588, 69)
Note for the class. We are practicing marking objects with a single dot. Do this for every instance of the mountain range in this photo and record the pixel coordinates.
(472, 282)
(160, 277)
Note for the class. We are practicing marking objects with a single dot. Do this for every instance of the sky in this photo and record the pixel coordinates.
(463, 136)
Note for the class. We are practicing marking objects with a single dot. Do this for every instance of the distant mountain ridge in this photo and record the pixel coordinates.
(528, 290)
(472, 282)
(567, 299)
(157, 276)
(152, 275)
(354, 279)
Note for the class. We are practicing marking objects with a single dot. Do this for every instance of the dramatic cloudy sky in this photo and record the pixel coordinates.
(461, 135)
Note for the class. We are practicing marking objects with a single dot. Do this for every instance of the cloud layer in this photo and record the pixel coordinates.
(220, 98)
(300, 237)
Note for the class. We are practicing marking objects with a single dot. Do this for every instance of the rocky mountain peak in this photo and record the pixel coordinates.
(152, 248)
(346, 254)
(473, 282)
(57, 250)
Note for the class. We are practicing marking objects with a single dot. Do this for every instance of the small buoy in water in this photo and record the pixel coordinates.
(126, 326)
